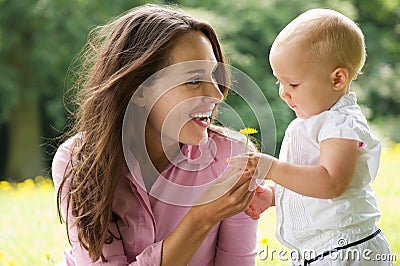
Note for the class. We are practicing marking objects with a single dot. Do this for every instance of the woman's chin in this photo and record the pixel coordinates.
(195, 140)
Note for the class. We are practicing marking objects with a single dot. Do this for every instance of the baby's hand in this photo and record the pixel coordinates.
(258, 164)
(261, 201)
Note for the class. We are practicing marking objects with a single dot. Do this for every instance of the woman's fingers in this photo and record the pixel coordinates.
(231, 201)
(245, 160)
(230, 193)
(220, 187)
(242, 195)
(238, 160)
(258, 164)
(234, 176)
(246, 200)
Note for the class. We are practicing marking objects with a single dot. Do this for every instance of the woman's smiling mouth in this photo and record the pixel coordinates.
(203, 119)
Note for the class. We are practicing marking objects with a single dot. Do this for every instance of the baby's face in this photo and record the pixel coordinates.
(305, 83)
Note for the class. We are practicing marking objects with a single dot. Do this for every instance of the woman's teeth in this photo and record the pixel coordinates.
(201, 115)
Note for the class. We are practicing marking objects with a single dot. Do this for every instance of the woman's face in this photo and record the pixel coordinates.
(181, 100)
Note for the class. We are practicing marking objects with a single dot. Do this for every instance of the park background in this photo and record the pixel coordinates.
(39, 40)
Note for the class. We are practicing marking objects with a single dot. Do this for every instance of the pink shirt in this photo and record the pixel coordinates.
(146, 221)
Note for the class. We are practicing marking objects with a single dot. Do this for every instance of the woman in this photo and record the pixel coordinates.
(109, 215)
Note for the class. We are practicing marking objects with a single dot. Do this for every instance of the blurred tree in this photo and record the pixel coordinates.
(38, 41)
(379, 85)
(19, 102)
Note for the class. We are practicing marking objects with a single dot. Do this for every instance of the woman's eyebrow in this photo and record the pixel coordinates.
(201, 71)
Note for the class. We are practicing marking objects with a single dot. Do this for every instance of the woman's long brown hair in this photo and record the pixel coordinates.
(118, 58)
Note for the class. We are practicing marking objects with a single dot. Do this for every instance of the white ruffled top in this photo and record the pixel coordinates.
(312, 223)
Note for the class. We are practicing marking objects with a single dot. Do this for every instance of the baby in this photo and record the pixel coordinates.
(326, 209)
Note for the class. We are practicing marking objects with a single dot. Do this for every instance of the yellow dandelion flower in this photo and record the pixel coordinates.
(44, 183)
(264, 241)
(48, 257)
(248, 131)
(47, 186)
(5, 185)
(26, 185)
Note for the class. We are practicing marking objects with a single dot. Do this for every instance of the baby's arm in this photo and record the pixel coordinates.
(328, 179)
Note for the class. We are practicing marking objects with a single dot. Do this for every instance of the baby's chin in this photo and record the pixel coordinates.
(300, 114)
(303, 115)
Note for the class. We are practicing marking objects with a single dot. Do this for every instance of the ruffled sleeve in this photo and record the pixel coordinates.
(337, 125)
(353, 127)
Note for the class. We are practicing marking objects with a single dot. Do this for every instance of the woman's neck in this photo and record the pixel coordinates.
(160, 151)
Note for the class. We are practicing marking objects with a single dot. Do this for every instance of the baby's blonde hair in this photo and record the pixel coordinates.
(327, 35)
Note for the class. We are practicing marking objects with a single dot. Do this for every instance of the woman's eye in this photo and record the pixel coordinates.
(214, 75)
(194, 81)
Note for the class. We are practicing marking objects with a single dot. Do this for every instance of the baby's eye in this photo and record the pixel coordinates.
(293, 85)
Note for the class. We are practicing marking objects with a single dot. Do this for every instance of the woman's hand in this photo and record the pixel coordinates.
(228, 196)
(256, 164)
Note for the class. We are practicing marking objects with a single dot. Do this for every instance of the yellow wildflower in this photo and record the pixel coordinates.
(248, 131)
(26, 184)
(48, 257)
(44, 183)
(5, 185)
(264, 241)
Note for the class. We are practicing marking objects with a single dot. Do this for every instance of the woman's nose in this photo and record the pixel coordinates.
(213, 91)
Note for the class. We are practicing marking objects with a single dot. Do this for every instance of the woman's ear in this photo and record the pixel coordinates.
(339, 78)
(139, 98)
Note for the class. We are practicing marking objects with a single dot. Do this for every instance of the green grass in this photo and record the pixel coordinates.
(32, 235)
(30, 231)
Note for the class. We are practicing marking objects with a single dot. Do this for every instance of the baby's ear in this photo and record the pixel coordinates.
(339, 78)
